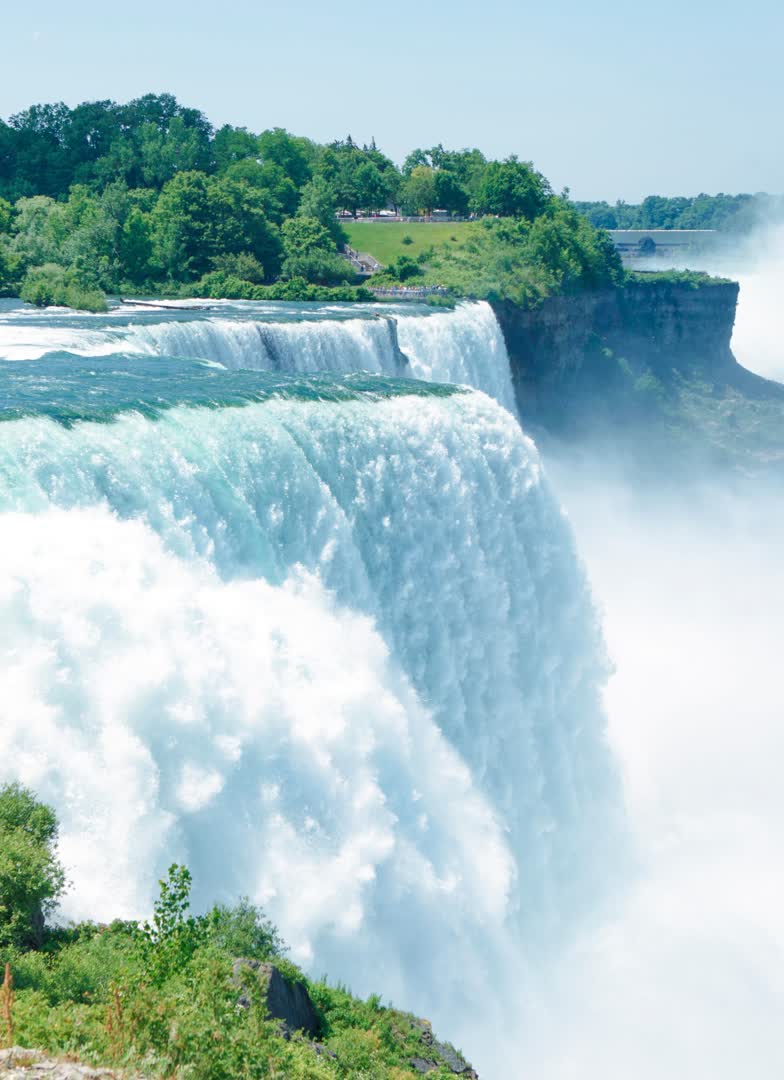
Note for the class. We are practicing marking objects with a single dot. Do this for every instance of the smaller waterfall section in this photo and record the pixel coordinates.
(463, 346)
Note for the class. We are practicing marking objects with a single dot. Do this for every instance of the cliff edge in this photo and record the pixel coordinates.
(650, 359)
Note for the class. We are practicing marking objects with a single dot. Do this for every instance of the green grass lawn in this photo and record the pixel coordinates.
(384, 239)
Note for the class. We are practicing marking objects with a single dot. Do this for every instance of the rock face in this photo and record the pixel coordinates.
(566, 354)
(438, 1055)
(19, 1064)
(285, 999)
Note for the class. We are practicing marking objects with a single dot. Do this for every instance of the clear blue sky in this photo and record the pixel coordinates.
(611, 99)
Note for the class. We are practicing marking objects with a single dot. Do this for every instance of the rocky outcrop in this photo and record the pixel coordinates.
(437, 1055)
(285, 999)
(288, 1001)
(577, 352)
(645, 377)
(20, 1064)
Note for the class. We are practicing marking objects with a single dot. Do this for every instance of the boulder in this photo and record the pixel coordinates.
(438, 1055)
(286, 999)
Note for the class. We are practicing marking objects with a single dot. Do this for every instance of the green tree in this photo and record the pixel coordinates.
(450, 194)
(373, 189)
(244, 930)
(199, 217)
(34, 230)
(318, 201)
(170, 939)
(165, 153)
(511, 188)
(232, 144)
(6, 216)
(309, 252)
(291, 152)
(135, 247)
(281, 195)
(181, 227)
(418, 191)
(31, 876)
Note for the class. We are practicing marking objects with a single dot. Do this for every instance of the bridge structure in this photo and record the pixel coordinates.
(646, 243)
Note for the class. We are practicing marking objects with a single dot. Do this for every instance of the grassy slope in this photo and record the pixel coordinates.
(383, 239)
(105, 999)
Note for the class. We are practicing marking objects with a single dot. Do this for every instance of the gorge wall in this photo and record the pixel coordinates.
(572, 356)
(646, 372)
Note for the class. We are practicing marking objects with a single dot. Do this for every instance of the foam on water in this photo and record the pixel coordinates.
(336, 655)
(464, 346)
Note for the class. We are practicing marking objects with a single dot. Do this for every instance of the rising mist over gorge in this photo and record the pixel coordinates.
(685, 978)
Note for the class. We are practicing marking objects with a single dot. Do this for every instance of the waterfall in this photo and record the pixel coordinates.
(323, 637)
(465, 346)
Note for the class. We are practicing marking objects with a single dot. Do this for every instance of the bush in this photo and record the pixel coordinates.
(244, 266)
(697, 279)
(50, 285)
(244, 930)
(221, 286)
(160, 999)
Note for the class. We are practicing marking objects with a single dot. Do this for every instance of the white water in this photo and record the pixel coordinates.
(342, 658)
(686, 977)
(464, 346)
(339, 657)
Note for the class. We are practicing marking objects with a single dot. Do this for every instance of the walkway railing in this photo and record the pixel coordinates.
(410, 292)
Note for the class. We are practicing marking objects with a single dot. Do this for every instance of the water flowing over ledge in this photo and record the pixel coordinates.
(333, 649)
(464, 347)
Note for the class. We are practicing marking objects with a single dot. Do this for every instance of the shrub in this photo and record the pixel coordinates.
(244, 930)
(244, 266)
(50, 285)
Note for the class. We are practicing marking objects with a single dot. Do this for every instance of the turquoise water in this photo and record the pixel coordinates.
(69, 388)
(332, 649)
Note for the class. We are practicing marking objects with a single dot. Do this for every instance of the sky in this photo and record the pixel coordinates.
(612, 100)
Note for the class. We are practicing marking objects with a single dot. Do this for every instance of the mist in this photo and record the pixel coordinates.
(756, 262)
(684, 975)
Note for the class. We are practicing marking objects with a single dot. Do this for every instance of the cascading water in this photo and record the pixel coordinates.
(323, 638)
(464, 346)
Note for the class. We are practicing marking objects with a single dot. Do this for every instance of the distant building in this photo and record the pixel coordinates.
(636, 243)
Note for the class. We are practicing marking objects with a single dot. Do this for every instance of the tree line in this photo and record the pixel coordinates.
(110, 197)
(724, 213)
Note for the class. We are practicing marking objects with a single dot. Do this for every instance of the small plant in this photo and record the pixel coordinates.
(172, 937)
(407, 240)
(7, 1004)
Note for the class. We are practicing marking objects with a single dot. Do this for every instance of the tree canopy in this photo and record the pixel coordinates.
(109, 197)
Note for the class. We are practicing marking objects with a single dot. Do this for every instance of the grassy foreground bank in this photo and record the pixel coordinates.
(166, 998)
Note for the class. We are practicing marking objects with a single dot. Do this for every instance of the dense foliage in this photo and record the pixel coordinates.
(148, 197)
(517, 259)
(159, 998)
(31, 877)
(725, 213)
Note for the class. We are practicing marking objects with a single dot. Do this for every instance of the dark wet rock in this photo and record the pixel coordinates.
(437, 1055)
(286, 999)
